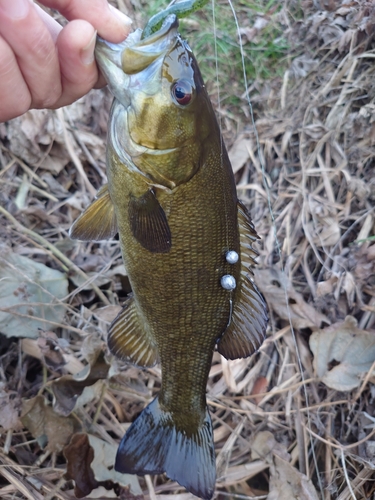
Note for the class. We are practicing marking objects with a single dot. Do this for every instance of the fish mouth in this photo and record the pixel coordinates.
(119, 63)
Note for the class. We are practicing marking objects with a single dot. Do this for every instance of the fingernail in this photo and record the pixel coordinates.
(87, 53)
(125, 20)
(15, 9)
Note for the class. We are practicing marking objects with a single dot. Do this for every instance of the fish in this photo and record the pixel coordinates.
(187, 245)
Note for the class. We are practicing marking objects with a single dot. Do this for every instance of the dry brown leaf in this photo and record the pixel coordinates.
(46, 426)
(240, 473)
(102, 465)
(79, 456)
(77, 390)
(71, 363)
(10, 407)
(264, 446)
(287, 483)
(239, 153)
(327, 233)
(49, 346)
(274, 285)
(259, 388)
(90, 465)
(350, 350)
(326, 287)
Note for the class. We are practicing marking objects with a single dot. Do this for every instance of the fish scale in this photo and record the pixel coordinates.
(171, 195)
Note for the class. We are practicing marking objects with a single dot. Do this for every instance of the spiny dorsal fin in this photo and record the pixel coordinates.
(247, 328)
(149, 224)
(130, 340)
(98, 221)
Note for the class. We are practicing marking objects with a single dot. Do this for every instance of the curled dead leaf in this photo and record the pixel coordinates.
(46, 426)
(343, 353)
(74, 391)
(277, 288)
(79, 455)
(259, 388)
(90, 465)
(10, 406)
(286, 482)
(52, 353)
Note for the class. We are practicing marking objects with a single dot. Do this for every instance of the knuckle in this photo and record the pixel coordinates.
(15, 96)
(14, 106)
(43, 47)
(47, 100)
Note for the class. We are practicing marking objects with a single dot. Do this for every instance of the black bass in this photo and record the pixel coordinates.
(187, 246)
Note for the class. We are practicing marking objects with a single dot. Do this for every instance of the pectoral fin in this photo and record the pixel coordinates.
(247, 328)
(130, 340)
(149, 223)
(98, 221)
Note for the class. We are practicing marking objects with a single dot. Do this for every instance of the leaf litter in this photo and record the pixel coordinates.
(279, 432)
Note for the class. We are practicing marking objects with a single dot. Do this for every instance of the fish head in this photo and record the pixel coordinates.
(162, 112)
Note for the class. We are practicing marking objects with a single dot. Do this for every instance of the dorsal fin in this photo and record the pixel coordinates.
(149, 223)
(98, 221)
(247, 328)
(130, 339)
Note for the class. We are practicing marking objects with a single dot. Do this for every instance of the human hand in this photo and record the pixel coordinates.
(43, 65)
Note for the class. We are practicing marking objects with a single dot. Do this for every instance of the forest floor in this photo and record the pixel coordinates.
(294, 421)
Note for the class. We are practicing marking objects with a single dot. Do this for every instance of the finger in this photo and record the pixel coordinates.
(15, 96)
(28, 37)
(79, 73)
(53, 26)
(110, 23)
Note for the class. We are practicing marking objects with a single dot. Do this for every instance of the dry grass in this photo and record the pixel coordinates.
(277, 425)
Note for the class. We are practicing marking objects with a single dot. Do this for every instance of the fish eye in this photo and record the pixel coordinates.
(182, 92)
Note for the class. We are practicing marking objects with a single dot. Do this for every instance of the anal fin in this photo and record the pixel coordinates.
(247, 329)
(130, 340)
(98, 221)
(149, 223)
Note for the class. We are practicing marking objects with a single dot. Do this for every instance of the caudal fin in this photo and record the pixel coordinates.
(153, 445)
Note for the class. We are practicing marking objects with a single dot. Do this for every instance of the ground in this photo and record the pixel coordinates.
(295, 421)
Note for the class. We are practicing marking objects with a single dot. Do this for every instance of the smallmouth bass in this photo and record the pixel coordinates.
(187, 246)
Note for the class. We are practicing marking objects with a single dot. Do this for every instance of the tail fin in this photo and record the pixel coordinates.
(153, 445)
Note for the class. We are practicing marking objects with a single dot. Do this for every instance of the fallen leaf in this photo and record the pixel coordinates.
(79, 456)
(75, 391)
(51, 351)
(103, 466)
(265, 446)
(29, 288)
(259, 388)
(326, 287)
(239, 153)
(287, 483)
(10, 407)
(46, 426)
(71, 363)
(326, 233)
(349, 349)
(277, 288)
(90, 463)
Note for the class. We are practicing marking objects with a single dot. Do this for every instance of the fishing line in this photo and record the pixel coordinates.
(267, 189)
(218, 114)
(219, 107)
